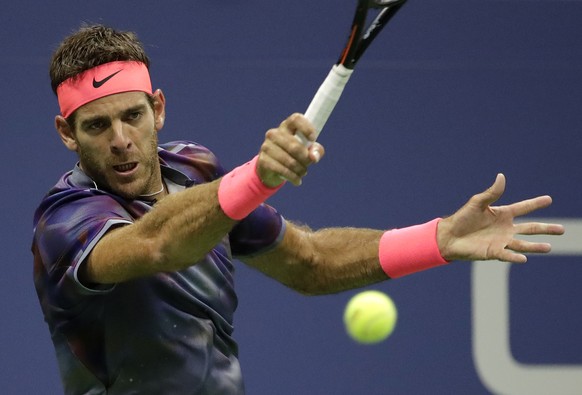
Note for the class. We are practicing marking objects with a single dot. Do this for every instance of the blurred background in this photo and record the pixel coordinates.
(451, 93)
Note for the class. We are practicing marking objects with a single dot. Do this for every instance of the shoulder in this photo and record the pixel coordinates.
(185, 148)
(73, 206)
(188, 156)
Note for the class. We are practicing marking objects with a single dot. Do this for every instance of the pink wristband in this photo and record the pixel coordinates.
(241, 191)
(410, 250)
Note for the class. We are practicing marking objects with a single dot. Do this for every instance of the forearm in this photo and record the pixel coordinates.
(325, 261)
(175, 234)
(345, 258)
(337, 259)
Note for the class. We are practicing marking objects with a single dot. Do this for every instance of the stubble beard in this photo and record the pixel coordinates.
(150, 169)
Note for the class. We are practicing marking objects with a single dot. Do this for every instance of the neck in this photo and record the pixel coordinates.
(153, 193)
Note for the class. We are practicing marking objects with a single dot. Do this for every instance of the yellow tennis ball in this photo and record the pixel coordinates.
(370, 317)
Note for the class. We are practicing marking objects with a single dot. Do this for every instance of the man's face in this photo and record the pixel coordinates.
(116, 140)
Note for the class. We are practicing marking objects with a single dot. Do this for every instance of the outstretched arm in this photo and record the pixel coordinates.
(337, 259)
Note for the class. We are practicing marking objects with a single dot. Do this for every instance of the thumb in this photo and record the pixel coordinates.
(493, 193)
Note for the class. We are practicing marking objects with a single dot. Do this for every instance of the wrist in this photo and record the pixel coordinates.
(444, 238)
(241, 191)
(410, 250)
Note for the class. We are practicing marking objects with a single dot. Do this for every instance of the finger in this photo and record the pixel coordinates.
(539, 228)
(529, 247)
(296, 123)
(512, 257)
(273, 171)
(292, 177)
(316, 152)
(287, 167)
(275, 163)
(527, 206)
(283, 146)
(492, 194)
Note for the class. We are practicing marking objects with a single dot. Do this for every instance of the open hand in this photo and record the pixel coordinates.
(479, 231)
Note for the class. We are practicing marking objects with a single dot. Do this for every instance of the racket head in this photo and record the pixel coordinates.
(360, 37)
(384, 3)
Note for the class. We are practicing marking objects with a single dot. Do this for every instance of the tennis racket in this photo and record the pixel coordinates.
(359, 39)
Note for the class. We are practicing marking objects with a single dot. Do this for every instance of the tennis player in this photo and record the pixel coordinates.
(134, 247)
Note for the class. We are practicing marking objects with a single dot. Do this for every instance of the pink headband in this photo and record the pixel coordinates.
(104, 80)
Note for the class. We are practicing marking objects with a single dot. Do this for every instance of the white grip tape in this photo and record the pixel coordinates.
(325, 99)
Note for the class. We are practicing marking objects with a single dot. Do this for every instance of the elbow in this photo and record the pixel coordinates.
(313, 289)
(304, 290)
(309, 279)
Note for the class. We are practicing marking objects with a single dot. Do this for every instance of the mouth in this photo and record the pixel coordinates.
(125, 168)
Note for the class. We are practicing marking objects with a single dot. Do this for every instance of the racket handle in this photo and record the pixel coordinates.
(325, 100)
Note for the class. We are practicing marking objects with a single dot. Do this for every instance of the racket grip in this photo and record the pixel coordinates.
(325, 99)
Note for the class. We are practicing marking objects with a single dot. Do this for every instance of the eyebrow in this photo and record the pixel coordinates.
(102, 118)
(87, 122)
(137, 107)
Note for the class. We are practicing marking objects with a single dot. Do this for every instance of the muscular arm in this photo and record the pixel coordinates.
(179, 231)
(183, 227)
(324, 261)
(336, 259)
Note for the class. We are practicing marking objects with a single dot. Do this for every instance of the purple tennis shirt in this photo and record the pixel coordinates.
(170, 333)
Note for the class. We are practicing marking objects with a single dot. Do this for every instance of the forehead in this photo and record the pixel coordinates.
(112, 105)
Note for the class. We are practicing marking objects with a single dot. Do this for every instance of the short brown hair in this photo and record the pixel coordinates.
(91, 46)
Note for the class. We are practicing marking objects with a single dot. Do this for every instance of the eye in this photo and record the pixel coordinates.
(134, 115)
(95, 126)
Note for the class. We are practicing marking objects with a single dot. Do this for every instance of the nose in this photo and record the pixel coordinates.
(120, 139)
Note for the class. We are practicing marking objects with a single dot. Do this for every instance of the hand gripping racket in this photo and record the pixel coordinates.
(359, 39)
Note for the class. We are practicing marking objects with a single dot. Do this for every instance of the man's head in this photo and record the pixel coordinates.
(92, 46)
(109, 115)
(88, 48)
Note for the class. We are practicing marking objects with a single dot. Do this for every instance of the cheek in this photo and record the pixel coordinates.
(87, 149)
(91, 155)
(88, 158)
(149, 142)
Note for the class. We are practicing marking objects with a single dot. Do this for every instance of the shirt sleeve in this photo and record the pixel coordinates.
(67, 231)
(259, 232)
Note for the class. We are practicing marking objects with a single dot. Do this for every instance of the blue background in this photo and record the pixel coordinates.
(451, 93)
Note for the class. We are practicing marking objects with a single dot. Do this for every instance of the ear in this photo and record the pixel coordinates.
(159, 109)
(65, 132)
